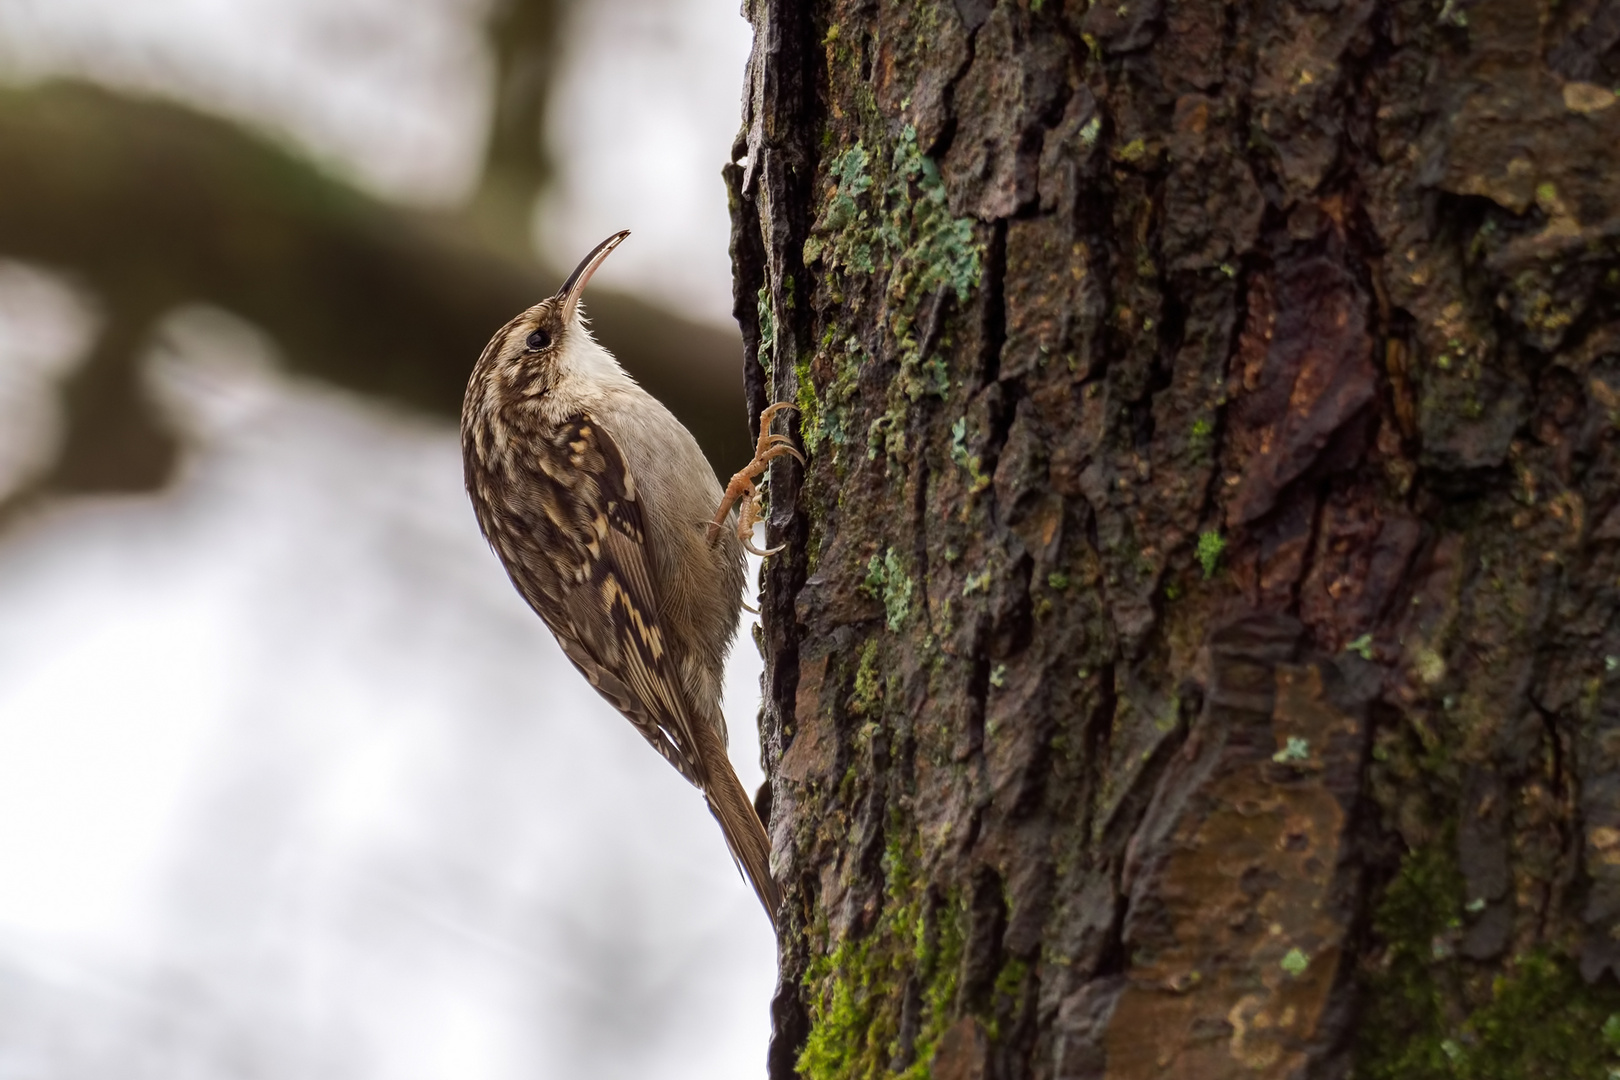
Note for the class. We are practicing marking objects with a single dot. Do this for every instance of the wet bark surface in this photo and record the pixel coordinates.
(1196, 649)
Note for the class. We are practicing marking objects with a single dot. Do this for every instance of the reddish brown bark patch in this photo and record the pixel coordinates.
(1237, 878)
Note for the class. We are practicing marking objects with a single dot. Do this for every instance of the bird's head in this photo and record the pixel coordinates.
(548, 342)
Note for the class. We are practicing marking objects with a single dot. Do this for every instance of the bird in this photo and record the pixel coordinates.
(595, 499)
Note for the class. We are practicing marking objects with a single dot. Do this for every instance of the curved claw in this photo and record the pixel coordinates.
(765, 553)
(742, 488)
(771, 411)
(780, 449)
(774, 453)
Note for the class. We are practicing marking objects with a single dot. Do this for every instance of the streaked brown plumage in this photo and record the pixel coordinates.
(597, 500)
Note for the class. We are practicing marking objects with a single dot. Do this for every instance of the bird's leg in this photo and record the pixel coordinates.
(743, 487)
(747, 514)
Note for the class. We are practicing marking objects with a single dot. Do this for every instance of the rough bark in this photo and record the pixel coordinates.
(1196, 649)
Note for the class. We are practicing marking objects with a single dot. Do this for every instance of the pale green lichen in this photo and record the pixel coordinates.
(1429, 665)
(822, 416)
(843, 220)
(903, 229)
(1294, 750)
(887, 580)
(912, 235)
(970, 463)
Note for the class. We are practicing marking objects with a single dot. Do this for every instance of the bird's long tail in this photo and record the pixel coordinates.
(729, 804)
(731, 807)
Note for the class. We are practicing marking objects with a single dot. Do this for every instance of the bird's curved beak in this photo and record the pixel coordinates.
(574, 287)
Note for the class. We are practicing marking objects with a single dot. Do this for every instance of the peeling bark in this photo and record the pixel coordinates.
(1195, 649)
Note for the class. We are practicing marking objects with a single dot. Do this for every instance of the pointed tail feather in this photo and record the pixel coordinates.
(745, 835)
(731, 807)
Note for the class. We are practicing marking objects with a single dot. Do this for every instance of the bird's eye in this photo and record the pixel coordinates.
(538, 340)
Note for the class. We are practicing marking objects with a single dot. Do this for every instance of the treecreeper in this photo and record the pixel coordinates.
(613, 526)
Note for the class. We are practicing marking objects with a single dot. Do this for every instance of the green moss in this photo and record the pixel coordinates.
(887, 580)
(1005, 998)
(856, 992)
(849, 988)
(1542, 1020)
(1058, 580)
(1010, 980)
(1538, 1020)
(939, 966)
(1211, 545)
(767, 330)
(810, 417)
(1405, 1005)
(868, 682)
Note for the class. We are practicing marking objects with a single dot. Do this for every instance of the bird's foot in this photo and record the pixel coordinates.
(744, 490)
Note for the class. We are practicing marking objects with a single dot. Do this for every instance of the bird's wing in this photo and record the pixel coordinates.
(605, 613)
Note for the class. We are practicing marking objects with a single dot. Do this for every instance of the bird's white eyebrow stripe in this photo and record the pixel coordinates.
(517, 329)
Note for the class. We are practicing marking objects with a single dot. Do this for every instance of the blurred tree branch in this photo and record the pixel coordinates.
(524, 36)
(153, 205)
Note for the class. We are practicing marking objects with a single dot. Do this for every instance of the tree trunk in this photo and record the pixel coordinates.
(1195, 653)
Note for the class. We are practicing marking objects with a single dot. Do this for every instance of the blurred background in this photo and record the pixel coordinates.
(291, 782)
